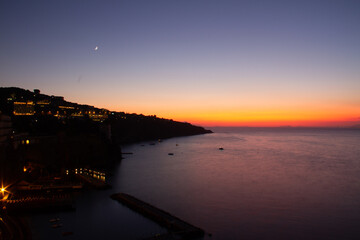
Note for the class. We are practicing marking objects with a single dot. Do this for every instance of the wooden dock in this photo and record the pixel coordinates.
(175, 225)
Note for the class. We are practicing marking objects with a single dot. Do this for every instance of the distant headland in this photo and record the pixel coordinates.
(23, 105)
(51, 132)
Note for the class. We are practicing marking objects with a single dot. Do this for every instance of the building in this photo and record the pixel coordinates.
(24, 108)
(42, 107)
(37, 92)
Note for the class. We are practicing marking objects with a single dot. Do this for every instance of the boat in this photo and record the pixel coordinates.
(57, 225)
(54, 220)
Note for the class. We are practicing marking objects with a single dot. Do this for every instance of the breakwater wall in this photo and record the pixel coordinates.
(174, 224)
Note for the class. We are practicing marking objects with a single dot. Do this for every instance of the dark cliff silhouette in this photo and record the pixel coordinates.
(43, 114)
(57, 133)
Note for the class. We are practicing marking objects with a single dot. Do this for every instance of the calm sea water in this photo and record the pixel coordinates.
(265, 184)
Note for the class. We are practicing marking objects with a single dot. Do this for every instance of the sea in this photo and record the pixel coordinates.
(236, 183)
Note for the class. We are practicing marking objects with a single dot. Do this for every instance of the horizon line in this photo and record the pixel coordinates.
(324, 127)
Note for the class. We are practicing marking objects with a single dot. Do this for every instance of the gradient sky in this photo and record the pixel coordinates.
(208, 62)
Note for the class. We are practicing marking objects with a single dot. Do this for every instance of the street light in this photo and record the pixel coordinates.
(2, 191)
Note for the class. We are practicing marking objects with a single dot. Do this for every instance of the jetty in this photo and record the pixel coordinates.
(177, 226)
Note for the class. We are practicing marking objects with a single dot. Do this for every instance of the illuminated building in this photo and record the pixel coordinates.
(64, 111)
(24, 108)
(42, 103)
(42, 106)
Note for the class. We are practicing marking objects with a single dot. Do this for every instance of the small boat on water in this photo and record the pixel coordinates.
(54, 220)
(221, 148)
(57, 225)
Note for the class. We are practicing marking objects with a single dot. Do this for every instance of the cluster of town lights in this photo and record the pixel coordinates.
(89, 172)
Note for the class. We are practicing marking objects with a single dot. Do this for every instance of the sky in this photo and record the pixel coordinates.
(207, 62)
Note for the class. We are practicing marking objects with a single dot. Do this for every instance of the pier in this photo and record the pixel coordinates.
(175, 225)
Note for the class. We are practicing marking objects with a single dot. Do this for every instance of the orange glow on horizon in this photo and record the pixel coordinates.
(272, 119)
(262, 114)
(276, 124)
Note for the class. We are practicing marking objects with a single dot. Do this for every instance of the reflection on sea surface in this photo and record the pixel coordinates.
(264, 184)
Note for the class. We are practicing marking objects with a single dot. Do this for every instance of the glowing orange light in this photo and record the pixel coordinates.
(3, 190)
